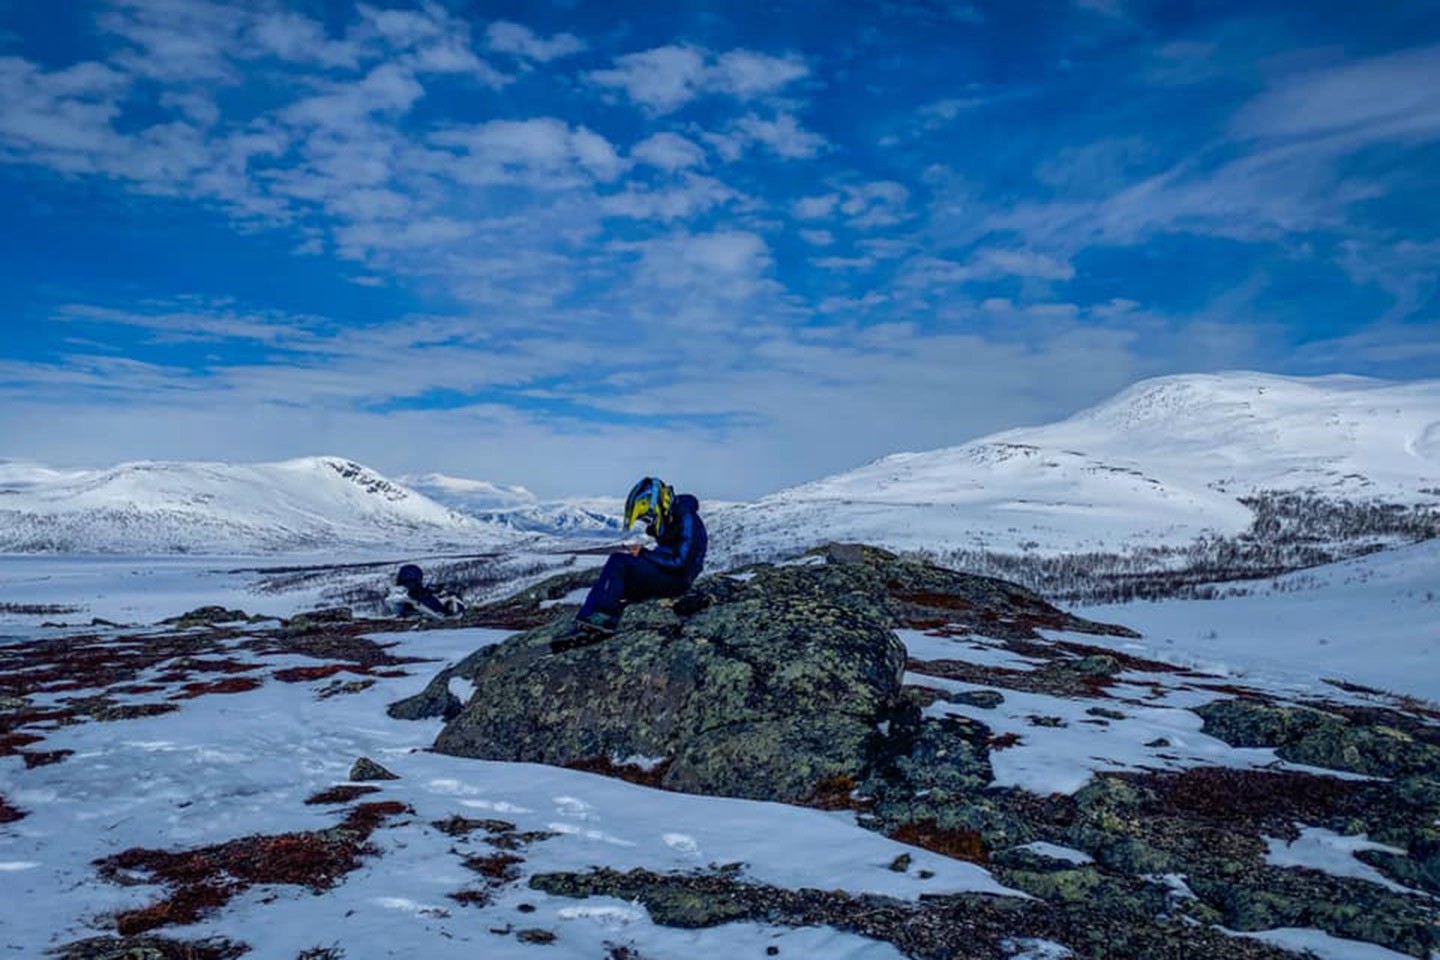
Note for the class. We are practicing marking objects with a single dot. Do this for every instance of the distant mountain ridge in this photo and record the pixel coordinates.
(1162, 463)
(516, 508)
(311, 503)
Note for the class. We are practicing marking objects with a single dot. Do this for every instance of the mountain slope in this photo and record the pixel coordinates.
(1159, 464)
(159, 507)
(516, 508)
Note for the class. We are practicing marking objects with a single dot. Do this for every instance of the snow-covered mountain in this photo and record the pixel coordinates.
(1161, 463)
(518, 509)
(311, 503)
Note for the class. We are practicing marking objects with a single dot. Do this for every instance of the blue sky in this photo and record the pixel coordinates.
(738, 245)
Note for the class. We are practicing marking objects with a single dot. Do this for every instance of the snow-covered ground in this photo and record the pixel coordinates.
(1373, 621)
(225, 766)
(229, 766)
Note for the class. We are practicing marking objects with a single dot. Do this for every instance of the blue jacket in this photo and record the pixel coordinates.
(681, 548)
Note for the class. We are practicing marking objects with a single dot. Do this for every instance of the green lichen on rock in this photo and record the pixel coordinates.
(766, 695)
(1320, 738)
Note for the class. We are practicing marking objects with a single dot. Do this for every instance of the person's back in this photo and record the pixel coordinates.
(682, 544)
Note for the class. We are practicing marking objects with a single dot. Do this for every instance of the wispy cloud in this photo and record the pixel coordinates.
(664, 79)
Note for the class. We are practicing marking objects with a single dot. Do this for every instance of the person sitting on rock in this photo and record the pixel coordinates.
(638, 573)
(411, 598)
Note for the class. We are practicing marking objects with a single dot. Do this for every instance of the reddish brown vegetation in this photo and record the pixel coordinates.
(472, 898)
(1228, 794)
(10, 743)
(231, 685)
(42, 758)
(496, 866)
(9, 814)
(927, 834)
(837, 792)
(630, 772)
(1004, 741)
(340, 794)
(202, 880)
(306, 674)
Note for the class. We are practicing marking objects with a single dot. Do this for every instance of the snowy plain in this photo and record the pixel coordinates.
(234, 765)
(1373, 621)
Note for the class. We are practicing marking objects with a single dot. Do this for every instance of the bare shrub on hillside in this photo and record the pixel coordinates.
(1289, 532)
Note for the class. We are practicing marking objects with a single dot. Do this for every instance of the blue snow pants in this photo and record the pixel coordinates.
(626, 579)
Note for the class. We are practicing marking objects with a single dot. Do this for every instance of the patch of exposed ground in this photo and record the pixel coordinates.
(202, 880)
(956, 927)
(9, 814)
(495, 869)
(150, 948)
(92, 676)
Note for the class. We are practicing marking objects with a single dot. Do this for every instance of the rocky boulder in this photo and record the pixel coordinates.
(779, 684)
(774, 694)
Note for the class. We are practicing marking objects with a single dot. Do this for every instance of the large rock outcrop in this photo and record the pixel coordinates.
(781, 684)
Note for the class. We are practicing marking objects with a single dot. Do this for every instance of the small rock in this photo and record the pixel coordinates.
(901, 864)
(1106, 713)
(1158, 742)
(1096, 666)
(535, 936)
(367, 769)
(772, 951)
(1038, 721)
(984, 699)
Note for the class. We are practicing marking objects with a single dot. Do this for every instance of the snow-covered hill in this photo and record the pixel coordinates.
(518, 509)
(1160, 464)
(312, 503)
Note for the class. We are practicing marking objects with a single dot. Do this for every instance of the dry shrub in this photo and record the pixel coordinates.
(202, 880)
(929, 835)
(629, 772)
(340, 794)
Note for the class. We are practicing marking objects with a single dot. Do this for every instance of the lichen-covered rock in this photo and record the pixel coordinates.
(1319, 738)
(366, 769)
(770, 695)
(209, 616)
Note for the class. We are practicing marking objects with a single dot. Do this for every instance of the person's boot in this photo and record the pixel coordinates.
(584, 631)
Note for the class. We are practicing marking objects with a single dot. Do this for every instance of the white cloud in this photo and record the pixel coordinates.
(691, 196)
(669, 151)
(664, 79)
(817, 238)
(543, 152)
(1387, 98)
(816, 207)
(64, 116)
(728, 265)
(851, 305)
(506, 37)
(844, 263)
(782, 136)
(880, 203)
(745, 74)
(176, 40)
(387, 88)
(1024, 263)
(295, 37)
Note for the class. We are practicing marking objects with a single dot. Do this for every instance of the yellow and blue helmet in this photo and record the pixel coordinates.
(650, 501)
